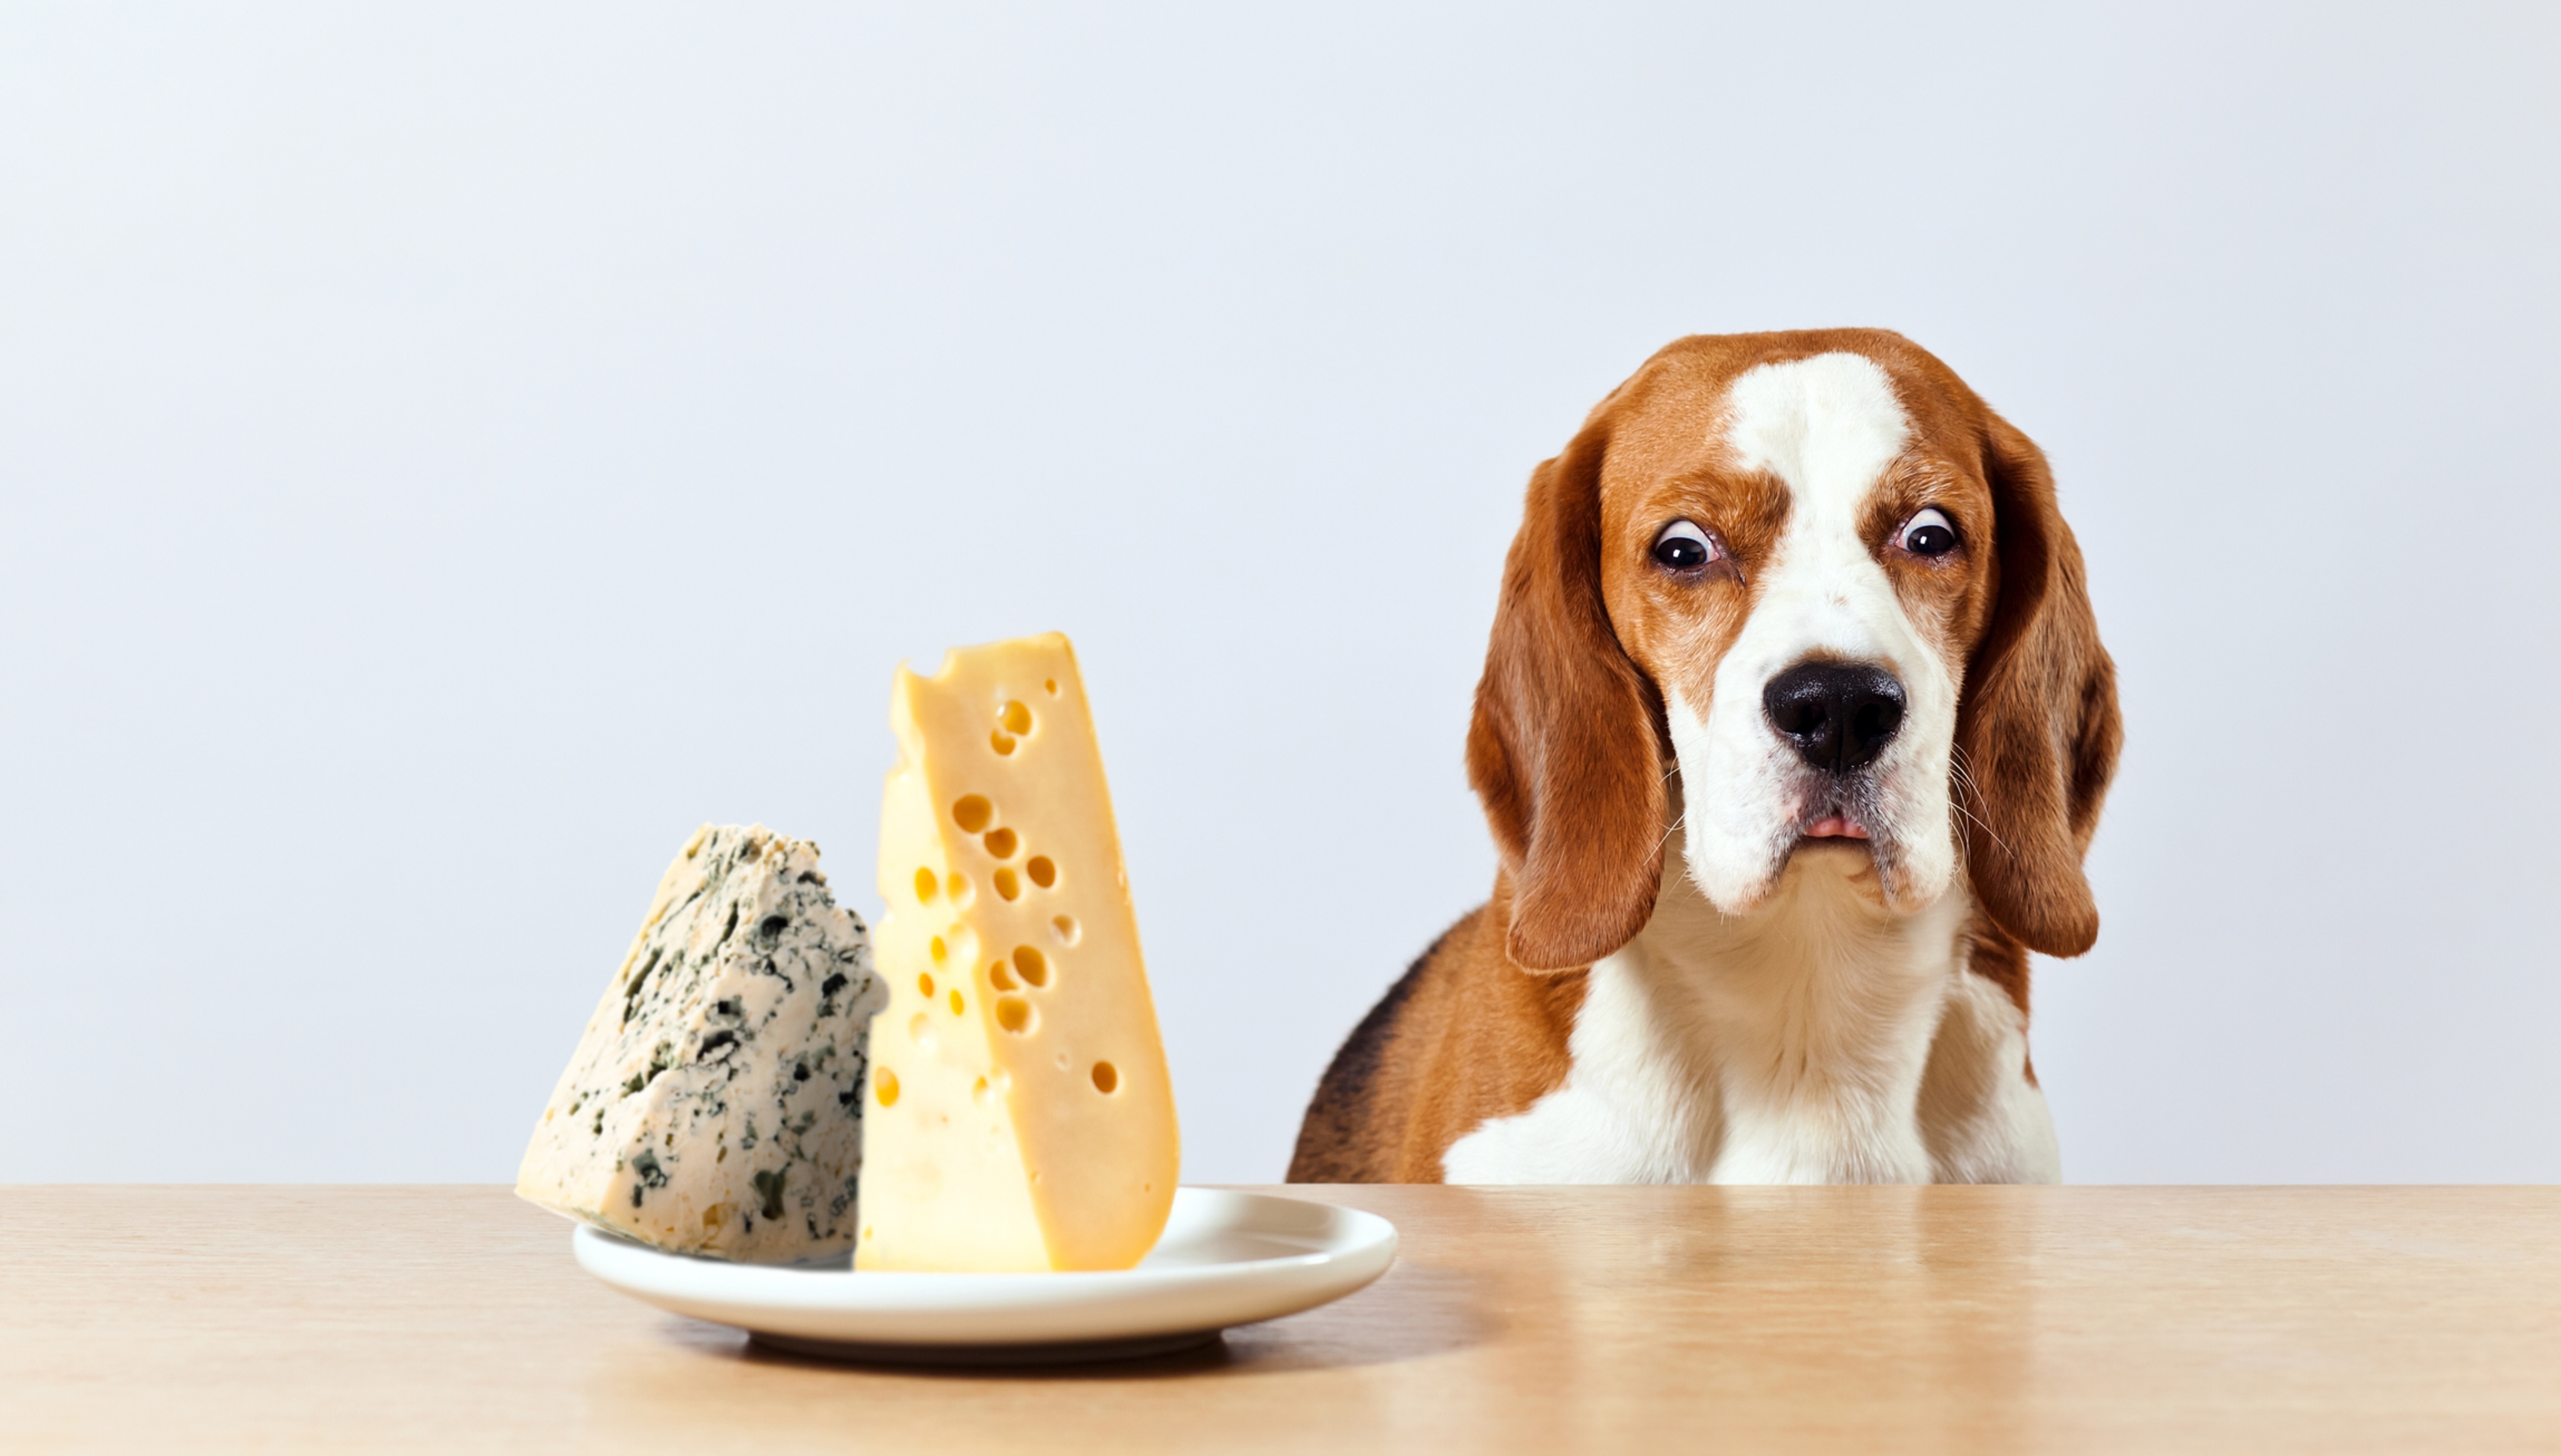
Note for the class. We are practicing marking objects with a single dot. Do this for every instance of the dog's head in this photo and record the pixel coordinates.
(1818, 577)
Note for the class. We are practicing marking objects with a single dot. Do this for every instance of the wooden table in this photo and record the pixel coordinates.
(1942, 1318)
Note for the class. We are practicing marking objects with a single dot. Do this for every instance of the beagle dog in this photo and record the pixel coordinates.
(1793, 729)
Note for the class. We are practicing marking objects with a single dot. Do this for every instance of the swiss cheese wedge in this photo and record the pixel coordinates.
(1020, 1114)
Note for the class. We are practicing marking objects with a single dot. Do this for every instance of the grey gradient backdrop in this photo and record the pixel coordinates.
(449, 451)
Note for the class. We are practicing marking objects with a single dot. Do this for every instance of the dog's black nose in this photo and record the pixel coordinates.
(1839, 715)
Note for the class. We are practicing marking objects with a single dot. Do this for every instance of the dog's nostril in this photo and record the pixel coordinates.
(1799, 716)
(1839, 715)
(1877, 719)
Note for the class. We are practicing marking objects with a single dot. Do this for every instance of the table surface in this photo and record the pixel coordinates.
(1603, 1319)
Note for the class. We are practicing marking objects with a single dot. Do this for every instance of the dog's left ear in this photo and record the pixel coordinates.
(2037, 725)
(1564, 749)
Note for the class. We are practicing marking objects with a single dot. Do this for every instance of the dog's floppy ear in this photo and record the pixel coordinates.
(1565, 749)
(2037, 728)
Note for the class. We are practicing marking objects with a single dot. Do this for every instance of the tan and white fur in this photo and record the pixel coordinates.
(1723, 947)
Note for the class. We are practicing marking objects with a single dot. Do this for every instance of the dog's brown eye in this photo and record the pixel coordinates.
(1682, 547)
(1927, 533)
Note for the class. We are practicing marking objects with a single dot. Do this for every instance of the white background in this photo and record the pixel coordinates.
(449, 452)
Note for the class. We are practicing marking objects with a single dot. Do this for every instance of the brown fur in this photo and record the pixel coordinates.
(1567, 749)
(1462, 1038)
(2037, 730)
(1569, 754)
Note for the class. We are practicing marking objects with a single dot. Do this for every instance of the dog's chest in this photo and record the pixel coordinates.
(1824, 1048)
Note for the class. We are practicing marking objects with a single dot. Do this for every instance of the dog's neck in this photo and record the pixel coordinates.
(1799, 1035)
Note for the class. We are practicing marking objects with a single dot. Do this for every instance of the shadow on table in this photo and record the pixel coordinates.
(1415, 1312)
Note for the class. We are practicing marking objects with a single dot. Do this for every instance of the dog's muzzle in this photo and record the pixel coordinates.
(1839, 715)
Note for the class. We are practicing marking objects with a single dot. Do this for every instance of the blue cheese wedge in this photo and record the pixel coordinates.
(715, 1105)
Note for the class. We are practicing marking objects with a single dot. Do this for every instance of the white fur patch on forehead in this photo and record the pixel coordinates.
(1826, 425)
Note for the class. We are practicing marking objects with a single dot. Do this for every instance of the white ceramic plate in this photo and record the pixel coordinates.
(1226, 1258)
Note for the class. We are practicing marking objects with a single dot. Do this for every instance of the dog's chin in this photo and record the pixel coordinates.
(1740, 873)
(1834, 847)
(1854, 861)
(1874, 867)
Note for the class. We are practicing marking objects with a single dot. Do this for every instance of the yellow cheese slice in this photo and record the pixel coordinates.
(1021, 1117)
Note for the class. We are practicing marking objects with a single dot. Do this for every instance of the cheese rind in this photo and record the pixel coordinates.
(1021, 1116)
(715, 1103)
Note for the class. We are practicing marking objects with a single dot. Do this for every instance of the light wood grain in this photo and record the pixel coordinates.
(1940, 1319)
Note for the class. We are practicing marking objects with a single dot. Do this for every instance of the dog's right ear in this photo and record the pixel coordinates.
(1566, 747)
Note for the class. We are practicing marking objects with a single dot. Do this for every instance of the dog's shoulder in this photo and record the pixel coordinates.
(1356, 1122)
(1421, 1069)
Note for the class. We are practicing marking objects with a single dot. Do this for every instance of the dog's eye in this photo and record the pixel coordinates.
(1682, 547)
(1927, 533)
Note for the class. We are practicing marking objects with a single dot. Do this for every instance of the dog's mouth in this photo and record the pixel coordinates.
(1835, 826)
(1851, 827)
(1838, 825)
(1844, 812)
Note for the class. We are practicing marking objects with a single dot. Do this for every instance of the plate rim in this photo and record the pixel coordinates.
(963, 1309)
